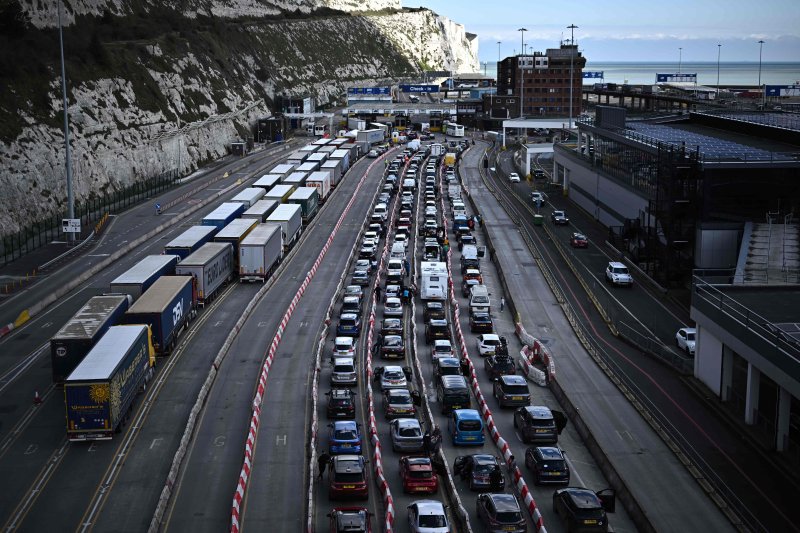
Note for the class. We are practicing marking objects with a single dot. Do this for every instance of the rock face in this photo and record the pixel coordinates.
(177, 98)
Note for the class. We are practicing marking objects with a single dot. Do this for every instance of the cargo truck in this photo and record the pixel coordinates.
(249, 196)
(308, 199)
(190, 240)
(335, 168)
(100, 392)
(450, 159)
(166, 308)
(260, 252)
(309, 148)
(297, 179)
(308, 167)
(433, 285)
(322, 142)
(317, 157)
(268, 181)
(234, 233)
(297, 158)
(282, 170)
(371, 136)
(356, 124)
(280, 192)
(289, 216)
(143, 274)
(224, 214)
(76, 338)
(344, 155)
(211, 266)
(261, 209)
(322, 182)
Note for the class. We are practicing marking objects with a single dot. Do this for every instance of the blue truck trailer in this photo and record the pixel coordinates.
(190, 240)
(101, 390)
(143, 274)
(78, 336)
(167, 307)
(224, 214)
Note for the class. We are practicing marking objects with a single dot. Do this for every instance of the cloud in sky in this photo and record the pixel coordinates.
(633, 31)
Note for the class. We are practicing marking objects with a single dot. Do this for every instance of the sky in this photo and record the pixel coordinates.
(645, 31)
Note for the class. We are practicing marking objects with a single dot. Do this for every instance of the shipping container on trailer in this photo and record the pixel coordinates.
(373, 136)
(335, 168)
(234, 233)
(317, 157)
(260, 252)
(337, 142)
(328, 149)
(280, 192)
(308, 199)
(249, 196)
(322, 142)
(297, 158)
(344, 155)
(190, 240)
(261, 209)
(76, 338)
(290, 217)
(322, 182)
(308, 167)
(354, 149)
(211, 266)
(101, 390)
(222, 215)
(268, 181)
(143, 274)
(283, 169)
(310, 148)
(166, 308)
(298, 179)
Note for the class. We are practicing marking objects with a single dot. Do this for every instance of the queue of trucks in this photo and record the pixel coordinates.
(105, 354)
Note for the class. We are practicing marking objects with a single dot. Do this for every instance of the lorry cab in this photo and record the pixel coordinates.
(466, 427)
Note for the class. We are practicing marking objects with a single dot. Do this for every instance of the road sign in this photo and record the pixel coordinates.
(71, 225)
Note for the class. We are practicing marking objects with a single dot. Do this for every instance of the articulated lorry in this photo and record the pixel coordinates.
(143, 274)
(260, 252)
(190, 240)
(290, 217)
(211, 266)
(101, 390)
(167, 307)
(78, 336)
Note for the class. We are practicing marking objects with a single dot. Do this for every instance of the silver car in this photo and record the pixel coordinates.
(406, 435)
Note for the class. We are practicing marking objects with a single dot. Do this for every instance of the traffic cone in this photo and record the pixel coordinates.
(36, 398)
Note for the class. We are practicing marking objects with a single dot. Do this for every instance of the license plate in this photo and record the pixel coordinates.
(590, 522)
(348, 486)
(345, 445)
(469, 438)
(541, 431)
(508, 528)
(554, 473)
(516, 398)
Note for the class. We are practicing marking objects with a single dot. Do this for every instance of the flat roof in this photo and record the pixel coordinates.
(107, 354)
(776, 304)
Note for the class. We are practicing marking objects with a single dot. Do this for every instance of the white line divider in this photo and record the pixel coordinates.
(244, 475)
(486, 413)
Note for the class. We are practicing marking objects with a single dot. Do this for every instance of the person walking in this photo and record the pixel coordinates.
(496, 479)
(426, 442)
(502, 303)
(322, 462)
(378, 293)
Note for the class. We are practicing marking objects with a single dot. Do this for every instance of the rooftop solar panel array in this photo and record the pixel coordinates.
(787, 121)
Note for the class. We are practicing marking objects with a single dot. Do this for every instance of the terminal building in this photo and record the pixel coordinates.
(709, 201)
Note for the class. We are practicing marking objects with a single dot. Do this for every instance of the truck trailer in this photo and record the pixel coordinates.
(166, 308)
(211, 266)
(261, 209)
(143, 274)
(297, 158)
(100, 392)
(374, 136)
(268, 181)
(356, 124)
(335, 168)
(224, 214)
(322, 182)
(78, 336)
(308, 199)
(289, 216)
(296, 179)
(434, 280)
(260, 252)
(308, 167)
(249, 196)
(280, 192)
(344, 155)
(317, 157)
(190, 240)
(283, 169)
(234, 233)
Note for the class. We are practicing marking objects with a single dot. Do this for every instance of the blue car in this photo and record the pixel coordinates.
(349, 325)
(344, 437)
(466, 427)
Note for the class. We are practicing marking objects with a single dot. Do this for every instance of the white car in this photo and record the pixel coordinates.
(441, 348)
(393, 377)
(513, 177)
(537, 196)
(618, 274)
(393, 307)
(685, 339)
(344, 347)
(402, 238)
(427, 516)
(487, 344)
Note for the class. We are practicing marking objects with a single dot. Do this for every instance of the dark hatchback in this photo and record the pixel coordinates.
(582, 510)
(501, 512)
(393, 347)
(341, 404)
(548, 465)
(481, 323)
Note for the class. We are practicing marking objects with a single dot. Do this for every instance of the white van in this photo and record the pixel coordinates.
(459, 208)
(398, 251)
(382, 210)
(479, 299)
(409, 184)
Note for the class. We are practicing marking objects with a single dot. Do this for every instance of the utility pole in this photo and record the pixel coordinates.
(680, 57)
(572, 28)
(719, 53)
(763, 93)
(67, 155)
(521, 77)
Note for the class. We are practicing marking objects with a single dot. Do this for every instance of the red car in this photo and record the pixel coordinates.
(348, 477)
(579, 240)
(418, 475)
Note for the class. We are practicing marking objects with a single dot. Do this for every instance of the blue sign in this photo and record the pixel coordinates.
(593, 74)
(419, 88)
(676, 77)
(782, 90)
(369, 90)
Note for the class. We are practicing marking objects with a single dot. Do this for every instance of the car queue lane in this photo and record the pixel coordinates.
(752, 487)
(626, 439)
(204, 490)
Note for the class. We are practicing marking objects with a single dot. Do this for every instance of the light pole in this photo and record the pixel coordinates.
(484, 68)
(67, 156)
(760, 48)
(572, 51)
(521, 79)
(680, 56)
(719, 52)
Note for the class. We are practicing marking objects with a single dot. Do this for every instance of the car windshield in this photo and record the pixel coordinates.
(393, 374)
(619, 270)
(343, 368)
(690, 336)
(421, 474)
(348, 477)
(347, 520)
(432, 521)
(491, 342)
(469, 425)
(504, 363)
(484, 468)
(409, 431)
(393, 342)
(515, 389)
(345, 434)
(508, 517)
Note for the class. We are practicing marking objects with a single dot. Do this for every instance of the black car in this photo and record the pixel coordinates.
(392, 326)
(499, 365)
(341, 404)
(392, 347)
(581, 509)
(446, 366)
(398, 403)
(501, 512)
(436, 329)
(480, 323)
(548, 465)
(433, 310)
(475, 469)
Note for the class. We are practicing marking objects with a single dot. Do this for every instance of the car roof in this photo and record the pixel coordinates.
(340, 393)
(504, 502)
(442, 342)
(407, 422)
(550, 452)
(454, 380)
(470, 414)
(393, 368)
(582, 498)
(349, 316)
(343, 360)
(345, 424)
(484, 458)
(448, 361)
(513, 380)
(392, 299)
(616, 264)
(343, 340)
(438, 322)
(490, 337)
(436, 305)
(429, 507)
(539, 411)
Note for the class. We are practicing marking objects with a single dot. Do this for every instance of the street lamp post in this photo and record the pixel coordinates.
(760, 48)
(521, 78)
(572, 51)
(67, 156)
(719, 52)
(680, 57)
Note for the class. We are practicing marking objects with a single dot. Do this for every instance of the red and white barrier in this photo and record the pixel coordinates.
(535, 351)
(241, 486)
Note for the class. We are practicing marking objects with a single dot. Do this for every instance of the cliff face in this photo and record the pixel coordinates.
(153, 89)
